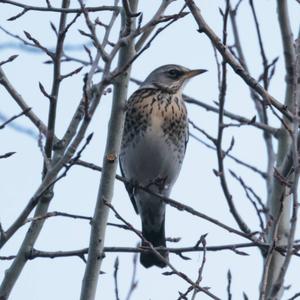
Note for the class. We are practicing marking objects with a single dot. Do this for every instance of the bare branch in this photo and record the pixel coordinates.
(43, 90)
(229, 278)
(174, 203)
(163, 6)
(116, 269)
(261, 46)
(174, 271)
(280, 195)
(248, 190)
(24, 112)
(297, 295)
(177, 251)
(134, 282)
(208, 136)
(173, 18)
(10, 59)
(39, 45)
(220, 153)
(6, 155)
(234, 158)
(62, 30)
(236, 66)
(200, 271)
(105, 192)
(21, 102)
(278, 284)
(60, 10)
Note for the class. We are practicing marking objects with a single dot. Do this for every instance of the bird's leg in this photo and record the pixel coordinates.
(159, 182)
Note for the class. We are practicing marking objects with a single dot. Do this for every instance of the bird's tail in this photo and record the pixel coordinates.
(157, 239)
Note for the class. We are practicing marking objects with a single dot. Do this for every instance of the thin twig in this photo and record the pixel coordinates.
(297, 295)
(220, 154)
(234, 158)
(200, 271)
(10, 59)
(22, 103)
(116, 269)
(173, 203)
(134, 282)
(58, 9)
(174, 270)
(229, 279)
(248, 190)
(15, 117)
(6, 155)
(278, 284)
(237, 67)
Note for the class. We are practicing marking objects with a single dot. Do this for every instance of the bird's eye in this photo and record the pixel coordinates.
(173, 73)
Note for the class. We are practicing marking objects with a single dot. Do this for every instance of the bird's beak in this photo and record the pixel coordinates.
(193, 73)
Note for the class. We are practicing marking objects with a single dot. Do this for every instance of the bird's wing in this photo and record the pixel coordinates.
(137, 95)
(130, 189)
(187, 135)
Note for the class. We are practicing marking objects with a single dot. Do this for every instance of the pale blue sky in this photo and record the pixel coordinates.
(197, 186)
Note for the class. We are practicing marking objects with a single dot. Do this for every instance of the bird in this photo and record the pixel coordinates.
(153, 147)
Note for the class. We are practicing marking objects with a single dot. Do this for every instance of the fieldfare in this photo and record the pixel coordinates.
(153, 148)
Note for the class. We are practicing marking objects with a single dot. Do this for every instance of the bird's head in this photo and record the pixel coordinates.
(171, 78)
